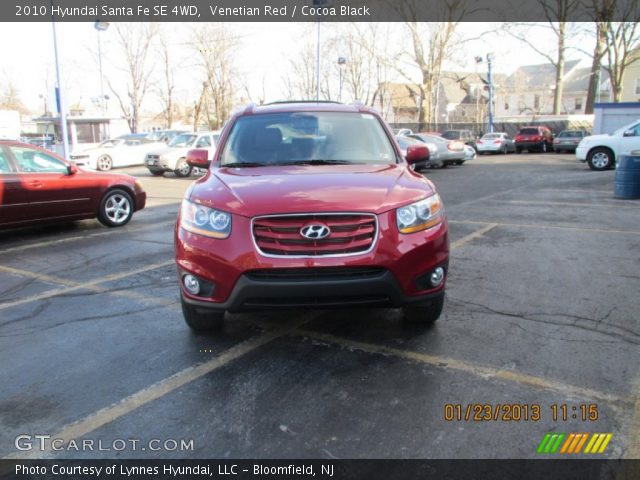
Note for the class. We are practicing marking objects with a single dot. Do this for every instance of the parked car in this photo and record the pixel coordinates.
(465, 136)
(114, 153)
(469, 154)
(568, 140)
(165, 135)
(602, 151)
(405, 142)
(450, 152)
(534, 138)
(40, 187)
(401, 132)
(310, 206)
(173, 157)
(497, 142)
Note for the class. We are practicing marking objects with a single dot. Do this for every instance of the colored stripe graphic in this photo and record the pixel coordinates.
(551, 443)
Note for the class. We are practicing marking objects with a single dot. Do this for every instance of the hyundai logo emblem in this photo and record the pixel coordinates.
(315, 231)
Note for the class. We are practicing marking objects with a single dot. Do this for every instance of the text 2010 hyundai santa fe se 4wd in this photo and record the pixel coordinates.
(310, 205)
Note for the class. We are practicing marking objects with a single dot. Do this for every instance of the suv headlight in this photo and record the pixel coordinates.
(205, 221)
(421, 215)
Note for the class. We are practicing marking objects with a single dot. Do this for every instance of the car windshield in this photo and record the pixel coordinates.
(433, 138)
(529, 131)
(404, 142)
(111, 143)
(184, 140)
(569, 133)
(307, 137)
(451, 135)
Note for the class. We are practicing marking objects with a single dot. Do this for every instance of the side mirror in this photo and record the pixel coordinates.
(629, 133)
(72, 169)
(417, 153)
(198, 158)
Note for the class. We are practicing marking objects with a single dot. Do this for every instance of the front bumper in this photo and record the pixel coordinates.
(581, 153)
(381, 290)
(160, 163)
(228, 264)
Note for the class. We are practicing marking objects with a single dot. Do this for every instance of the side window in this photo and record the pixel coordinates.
(29, 160)
(204, 142)
(4, 162)
(636, 129)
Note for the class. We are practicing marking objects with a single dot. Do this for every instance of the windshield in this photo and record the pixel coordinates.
(404, 142)
(282, 138)
(451, 135)
(111, 143)
(568, 133)
(184, 140)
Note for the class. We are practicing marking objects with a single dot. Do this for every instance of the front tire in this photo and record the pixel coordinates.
(116, 208)
(600, 159)
(104, 163)
(200, 320)
(183, 169)
(424, 314)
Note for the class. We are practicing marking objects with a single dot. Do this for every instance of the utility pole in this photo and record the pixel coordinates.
(490, 80)
(59, 100)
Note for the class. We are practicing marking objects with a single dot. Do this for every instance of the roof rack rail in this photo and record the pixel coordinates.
(279, 102)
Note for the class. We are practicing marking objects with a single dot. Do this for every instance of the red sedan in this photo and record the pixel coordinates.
(37, 186)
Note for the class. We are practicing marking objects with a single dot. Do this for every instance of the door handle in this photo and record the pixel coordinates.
(35, 184)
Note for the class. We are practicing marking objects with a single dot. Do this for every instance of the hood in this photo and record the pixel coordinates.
(167, 151)
(310, 188)
(593, 138)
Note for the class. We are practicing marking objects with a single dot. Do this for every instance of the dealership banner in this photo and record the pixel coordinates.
(321, 469)
(309, 11)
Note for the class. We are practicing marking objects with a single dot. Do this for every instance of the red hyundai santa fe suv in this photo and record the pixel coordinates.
(310, 205)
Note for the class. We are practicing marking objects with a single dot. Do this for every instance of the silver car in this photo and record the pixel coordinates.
(404, 143)
(450, 152)
(496, 142)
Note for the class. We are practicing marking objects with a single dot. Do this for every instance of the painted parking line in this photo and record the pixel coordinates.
(473, 235)
(633, 433)
(618, 403)
(127, 405)
(542, 226)
(135, 229)
(567, 204)
(75, 286)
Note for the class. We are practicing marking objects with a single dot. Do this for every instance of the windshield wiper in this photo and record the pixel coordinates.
(244, 164)
(318, 161)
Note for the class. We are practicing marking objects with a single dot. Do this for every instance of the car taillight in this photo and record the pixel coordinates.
(454, 146)
(497, 141)
(479, 141)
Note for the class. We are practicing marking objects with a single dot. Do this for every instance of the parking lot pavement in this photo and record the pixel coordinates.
(541, 310)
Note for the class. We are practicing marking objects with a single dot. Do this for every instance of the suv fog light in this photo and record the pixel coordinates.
(437, 276)
(192, 284)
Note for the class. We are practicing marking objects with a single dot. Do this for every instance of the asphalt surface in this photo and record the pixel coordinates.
(542, 310)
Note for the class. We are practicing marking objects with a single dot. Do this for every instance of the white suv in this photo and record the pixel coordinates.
(601, 151)
(173, 157)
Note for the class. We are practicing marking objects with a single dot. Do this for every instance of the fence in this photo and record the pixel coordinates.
(510, 127)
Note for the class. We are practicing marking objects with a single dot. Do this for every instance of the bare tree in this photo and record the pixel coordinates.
(301, 82)
(10, 97)
(558, 14)
(134, 41)
(432, 44)
(165, 88)
(215, 47)
(622, 39)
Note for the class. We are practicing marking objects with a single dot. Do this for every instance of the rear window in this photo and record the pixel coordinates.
(279, 138)
(529, 131)
(570, 133)
(490, 136)
(452, 135)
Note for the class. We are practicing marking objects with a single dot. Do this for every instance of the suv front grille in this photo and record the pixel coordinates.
(279, 235)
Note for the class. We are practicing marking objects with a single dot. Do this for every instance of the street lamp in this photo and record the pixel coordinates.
(342, 61)
(490, 85)
(101, 27)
